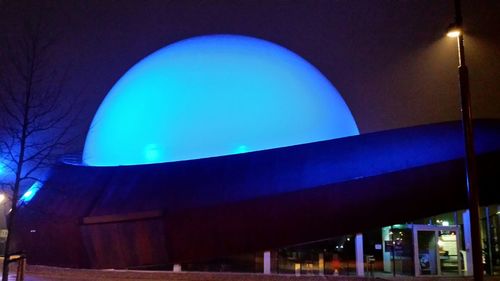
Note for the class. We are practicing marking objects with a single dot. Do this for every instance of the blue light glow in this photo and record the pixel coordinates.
(30, 193)
(214, 95)
(241, 149)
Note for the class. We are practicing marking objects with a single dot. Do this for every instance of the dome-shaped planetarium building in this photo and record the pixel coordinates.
(223, 144)
(211, 96)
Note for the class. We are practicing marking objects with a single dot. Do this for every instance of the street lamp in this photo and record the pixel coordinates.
(456, 30)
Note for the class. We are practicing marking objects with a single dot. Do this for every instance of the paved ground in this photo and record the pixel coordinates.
(44, 273)
(58, 274)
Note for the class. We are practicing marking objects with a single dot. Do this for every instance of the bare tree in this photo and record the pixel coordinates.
(36, 119)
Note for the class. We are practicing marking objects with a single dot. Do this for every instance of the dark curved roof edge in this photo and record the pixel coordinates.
(188, 210)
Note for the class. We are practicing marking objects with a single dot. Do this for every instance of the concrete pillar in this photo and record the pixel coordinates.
(321, 264)
(267, 262)
(468, 269)
(360, 264)
(297, 269)
(177, 267)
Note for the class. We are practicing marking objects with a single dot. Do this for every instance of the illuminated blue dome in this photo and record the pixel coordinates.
(211, 96)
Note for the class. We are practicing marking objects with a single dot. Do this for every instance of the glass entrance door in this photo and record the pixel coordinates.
(448, 252)
(427, 253)
(436, 250)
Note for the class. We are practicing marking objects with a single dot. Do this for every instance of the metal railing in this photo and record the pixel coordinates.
(20, 258)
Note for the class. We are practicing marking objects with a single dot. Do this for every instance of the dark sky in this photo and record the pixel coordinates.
(389, 59)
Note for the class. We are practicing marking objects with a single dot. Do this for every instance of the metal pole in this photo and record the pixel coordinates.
(488, 238)
(393, 252)
(470, 161)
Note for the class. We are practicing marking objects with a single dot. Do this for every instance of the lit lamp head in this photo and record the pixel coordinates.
(454, 30)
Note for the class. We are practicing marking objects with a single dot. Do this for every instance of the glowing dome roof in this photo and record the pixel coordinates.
(211, 96)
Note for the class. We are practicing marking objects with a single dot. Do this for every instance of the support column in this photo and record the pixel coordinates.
(177, 267)
(360, 265)
(321, 263)
(267, 262)
(297, 269)
(468, 269)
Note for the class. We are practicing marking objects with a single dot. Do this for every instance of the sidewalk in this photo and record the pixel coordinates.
(46, 273)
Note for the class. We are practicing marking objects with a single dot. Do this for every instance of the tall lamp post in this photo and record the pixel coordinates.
(456, 30)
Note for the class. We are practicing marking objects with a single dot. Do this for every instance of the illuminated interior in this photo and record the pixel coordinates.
(211, 96)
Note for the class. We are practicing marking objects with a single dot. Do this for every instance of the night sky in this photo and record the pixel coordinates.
(390, 60)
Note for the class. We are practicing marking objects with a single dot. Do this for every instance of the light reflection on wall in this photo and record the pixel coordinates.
(214, 95)
(30, 193)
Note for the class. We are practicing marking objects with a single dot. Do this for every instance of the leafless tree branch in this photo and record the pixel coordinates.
(36, 119)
